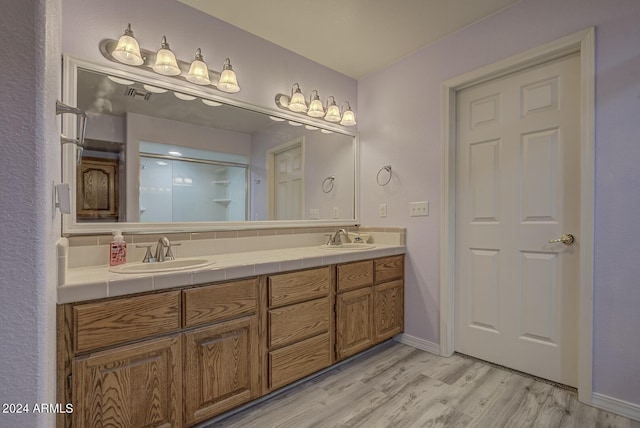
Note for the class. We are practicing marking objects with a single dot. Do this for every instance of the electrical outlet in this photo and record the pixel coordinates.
(419, 209)
(336, 212)
(383, 210)
(314, 214)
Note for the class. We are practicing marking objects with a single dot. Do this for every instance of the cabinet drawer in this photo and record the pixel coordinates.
(355, 275)
(389, 268)
(219, 302)
(294, 362)
(293, 323)
(295, 287)
(98, 325)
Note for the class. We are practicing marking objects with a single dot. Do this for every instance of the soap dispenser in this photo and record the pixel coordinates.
(117, 250)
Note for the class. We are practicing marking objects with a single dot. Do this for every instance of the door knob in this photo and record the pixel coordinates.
(566, 239)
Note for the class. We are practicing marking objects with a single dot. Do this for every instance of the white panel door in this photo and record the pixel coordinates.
(288, 184)
(517, 181)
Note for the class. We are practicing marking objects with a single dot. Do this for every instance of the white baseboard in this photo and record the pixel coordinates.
(418, 343)
(614, 405)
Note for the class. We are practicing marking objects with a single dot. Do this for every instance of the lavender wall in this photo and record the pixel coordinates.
(400, 125)
(263, 68)
(31, 153)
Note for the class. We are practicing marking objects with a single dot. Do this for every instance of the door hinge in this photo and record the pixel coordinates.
(70, 382)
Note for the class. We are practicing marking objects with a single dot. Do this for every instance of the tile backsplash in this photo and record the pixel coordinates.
(93, 250)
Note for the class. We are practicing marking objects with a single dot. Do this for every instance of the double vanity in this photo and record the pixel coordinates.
(257, 296)
(181, 346)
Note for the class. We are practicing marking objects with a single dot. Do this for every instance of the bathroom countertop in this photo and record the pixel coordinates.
(98, 282)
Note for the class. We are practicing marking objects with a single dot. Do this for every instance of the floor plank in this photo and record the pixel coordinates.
(398, 386)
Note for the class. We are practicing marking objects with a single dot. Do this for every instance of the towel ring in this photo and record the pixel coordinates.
(327, 184)
(384, 168)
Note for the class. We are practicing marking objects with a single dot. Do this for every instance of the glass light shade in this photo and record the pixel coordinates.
(297, 102)
(199, 72)
(348, 118)
(127, 50)
(315, 107)
(166, 63)
(228, 81)
(333, 113)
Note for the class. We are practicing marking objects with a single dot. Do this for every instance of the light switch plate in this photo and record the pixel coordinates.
(383, 210)
(314, 214)
(336, 212)
(419, 209)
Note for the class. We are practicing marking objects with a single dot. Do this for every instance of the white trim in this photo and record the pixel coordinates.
(584, 43)
(614, 405)
(418, 343)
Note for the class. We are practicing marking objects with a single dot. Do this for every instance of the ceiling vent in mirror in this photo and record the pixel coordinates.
(137, 94)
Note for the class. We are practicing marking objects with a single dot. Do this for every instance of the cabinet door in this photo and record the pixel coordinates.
(97, 189)
(354, 322)
(389, 310)
(221, 368)
(132, 386)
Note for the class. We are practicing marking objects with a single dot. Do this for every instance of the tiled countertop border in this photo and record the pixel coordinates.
(98, 282)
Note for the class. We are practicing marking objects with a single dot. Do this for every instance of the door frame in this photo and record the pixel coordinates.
(271, 188)
(582, 42)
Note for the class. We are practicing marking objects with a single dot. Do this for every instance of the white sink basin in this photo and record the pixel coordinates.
(347, 247)
(168, 266)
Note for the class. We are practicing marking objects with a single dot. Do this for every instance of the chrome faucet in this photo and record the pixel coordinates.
(335, 239)
(160, 255)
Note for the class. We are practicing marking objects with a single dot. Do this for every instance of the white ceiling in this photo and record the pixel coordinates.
(354, 37)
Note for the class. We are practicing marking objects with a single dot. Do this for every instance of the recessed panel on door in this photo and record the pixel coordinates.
(539, 297)
(484, 111)
(483, 278)
(539, 96)
(484, 180)
(540, 176)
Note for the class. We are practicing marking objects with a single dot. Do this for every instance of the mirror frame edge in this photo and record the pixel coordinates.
(70, 226)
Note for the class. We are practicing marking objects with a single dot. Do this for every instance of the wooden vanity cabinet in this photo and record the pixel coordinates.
(132, 386)
(300, 324)
(120, 362)
(221, 355)
(369, 304)
(180, 357)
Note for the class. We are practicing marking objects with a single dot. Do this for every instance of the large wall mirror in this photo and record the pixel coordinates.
(163, 155)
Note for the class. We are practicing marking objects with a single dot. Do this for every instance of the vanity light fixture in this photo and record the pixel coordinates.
(228, 81)
(329, 112)
(315, 105)
(348, 118)
(297, 102)
(184, 97)
(333, 112)
(211, 103)
(154, 89)
(166, 63)
(128, 50)
(174, 153)
(120, 80)
(199, 72)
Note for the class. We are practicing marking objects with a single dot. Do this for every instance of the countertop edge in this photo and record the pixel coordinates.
(98, 282)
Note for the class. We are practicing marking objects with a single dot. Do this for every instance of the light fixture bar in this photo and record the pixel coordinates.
(149, 60)
(330, 113)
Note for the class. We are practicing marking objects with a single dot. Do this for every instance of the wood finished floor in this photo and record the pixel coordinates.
(400, 386)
